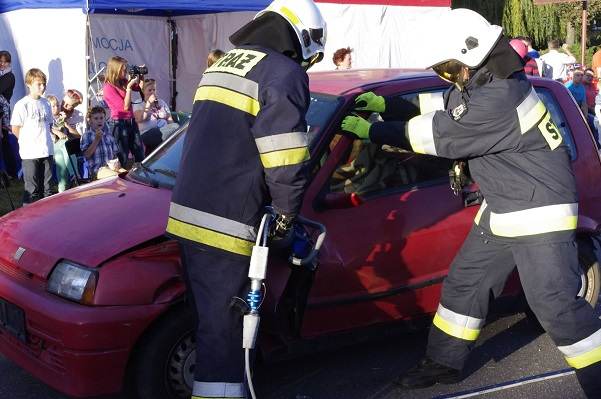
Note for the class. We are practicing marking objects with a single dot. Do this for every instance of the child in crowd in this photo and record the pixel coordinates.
(99, 147)
(31, 121)
(10, 162)
(117, 93)
(74, 119)
(60, 137)
(213, 56)
(4, 131)
(153, 117)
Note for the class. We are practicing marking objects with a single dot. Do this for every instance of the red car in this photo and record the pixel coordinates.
(91, 294)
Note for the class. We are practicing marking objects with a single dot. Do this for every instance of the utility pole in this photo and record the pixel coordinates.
(584, 30)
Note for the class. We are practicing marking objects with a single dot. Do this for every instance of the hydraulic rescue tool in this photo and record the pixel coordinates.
(303, 254)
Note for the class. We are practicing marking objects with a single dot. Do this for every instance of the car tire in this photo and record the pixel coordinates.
(163, 365)
(590, 278)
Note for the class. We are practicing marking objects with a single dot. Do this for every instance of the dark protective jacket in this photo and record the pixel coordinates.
(246, 147)
(516, 154)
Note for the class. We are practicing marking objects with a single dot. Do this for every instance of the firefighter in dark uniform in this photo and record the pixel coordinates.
(494, 118)
(246, 148)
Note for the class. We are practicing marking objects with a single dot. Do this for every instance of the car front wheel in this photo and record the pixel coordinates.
(163, 366)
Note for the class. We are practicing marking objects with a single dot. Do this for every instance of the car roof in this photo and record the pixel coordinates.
(340, 82)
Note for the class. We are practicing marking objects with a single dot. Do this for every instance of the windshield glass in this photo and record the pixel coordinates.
(160, 167)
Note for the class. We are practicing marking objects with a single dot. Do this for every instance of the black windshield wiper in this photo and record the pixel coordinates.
(146, 171)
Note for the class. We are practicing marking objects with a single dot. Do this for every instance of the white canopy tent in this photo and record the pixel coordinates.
(174, 37)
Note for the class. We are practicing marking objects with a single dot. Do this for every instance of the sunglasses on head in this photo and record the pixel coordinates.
(74, 95)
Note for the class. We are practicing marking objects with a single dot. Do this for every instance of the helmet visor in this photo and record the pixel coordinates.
(451, 71)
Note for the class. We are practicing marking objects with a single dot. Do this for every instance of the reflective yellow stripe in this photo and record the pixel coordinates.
(530, 111)
(456, 331)
(584, 352)
(229, 98)
(209, 237)
(585, 360)
(290, 15)
(480, 212)
(421, 134)
(544, 219)
(285, 157)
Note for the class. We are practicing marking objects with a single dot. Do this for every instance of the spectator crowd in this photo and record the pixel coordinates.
(45, 138)
(48, 143)
(559, 64)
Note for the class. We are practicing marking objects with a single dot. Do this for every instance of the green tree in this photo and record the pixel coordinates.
(540, 22)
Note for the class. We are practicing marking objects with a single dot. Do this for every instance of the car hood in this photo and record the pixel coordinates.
(87, 225)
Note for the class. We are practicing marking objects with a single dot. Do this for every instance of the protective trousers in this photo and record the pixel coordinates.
(550, 276)
(213, 279)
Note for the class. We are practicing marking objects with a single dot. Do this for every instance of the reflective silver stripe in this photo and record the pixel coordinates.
(583, 346)
(212, 222)
(282, 141)
(429, 102)
(530, 111)
(421, 134)
(218, 389)
(480, 212)
(232, 82)
(459, 319)
(544, 219)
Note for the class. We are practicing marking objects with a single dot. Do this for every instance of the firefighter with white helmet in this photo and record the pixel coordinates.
(246, 148)
(517, 155)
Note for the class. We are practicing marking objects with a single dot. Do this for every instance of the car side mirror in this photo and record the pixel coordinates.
(341, 200)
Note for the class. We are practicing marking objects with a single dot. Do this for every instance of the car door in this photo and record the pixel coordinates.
(394, 226)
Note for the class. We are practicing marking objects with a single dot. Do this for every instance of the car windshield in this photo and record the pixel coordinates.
(160, 168)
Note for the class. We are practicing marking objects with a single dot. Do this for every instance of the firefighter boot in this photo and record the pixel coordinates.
(427, 373)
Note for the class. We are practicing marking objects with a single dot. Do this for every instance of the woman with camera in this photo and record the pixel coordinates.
(153, 117)
(117, 91)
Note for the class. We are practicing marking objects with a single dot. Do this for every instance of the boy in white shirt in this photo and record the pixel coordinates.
(31, 121)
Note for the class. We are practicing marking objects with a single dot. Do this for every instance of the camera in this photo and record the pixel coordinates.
(137, 70)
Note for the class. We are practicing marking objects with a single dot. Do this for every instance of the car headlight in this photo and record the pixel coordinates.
(72, 281)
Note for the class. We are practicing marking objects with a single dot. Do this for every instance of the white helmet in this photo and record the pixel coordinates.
(307, 22)
(467, 38)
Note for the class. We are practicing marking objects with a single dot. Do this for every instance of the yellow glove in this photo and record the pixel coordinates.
(356, 125)
(370, 102)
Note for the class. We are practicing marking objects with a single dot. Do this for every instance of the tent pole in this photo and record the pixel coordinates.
(173, 49)
(87, 55)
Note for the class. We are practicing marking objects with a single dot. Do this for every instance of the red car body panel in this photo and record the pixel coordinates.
(382, 261)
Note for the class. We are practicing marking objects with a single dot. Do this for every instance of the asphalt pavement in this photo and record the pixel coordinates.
(513, 359)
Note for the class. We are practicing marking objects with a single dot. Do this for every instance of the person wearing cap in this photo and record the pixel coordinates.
(246, 148)
(530, 65)
(495, 120)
